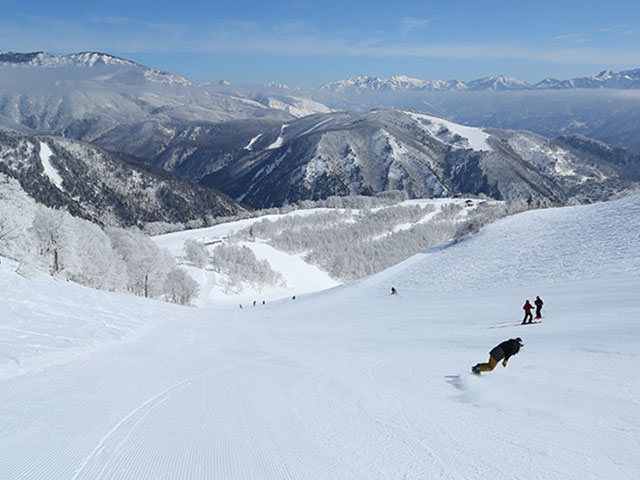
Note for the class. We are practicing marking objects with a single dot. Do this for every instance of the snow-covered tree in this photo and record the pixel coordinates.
(146, 264)
(51, 237)
(94, 262)
(179, 287)
(196, 252)
(240, 267)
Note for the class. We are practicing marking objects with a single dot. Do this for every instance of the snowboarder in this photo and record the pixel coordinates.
(527, 312)
(538, 303)
(393, 291)
(503, 352)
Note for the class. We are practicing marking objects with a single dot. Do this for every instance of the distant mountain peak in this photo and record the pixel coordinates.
(86, 59)
(281, 86)
(606, 74)
(98, 58)
(498, 82)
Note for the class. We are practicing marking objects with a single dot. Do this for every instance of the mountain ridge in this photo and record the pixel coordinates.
(364, 153)
(102, 187)
(626, 79)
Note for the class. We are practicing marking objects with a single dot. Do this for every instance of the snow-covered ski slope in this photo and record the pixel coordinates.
(299, 276)
(348, 383)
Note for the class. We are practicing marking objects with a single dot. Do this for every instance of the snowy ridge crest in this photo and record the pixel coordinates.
(86, 59)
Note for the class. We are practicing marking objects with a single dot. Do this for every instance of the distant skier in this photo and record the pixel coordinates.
(527, 312)
(503, 352)
(394, 291)
(538, 303)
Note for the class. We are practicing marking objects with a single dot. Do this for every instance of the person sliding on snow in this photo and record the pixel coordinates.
(527, 312)
(538, 303)
(503, 352)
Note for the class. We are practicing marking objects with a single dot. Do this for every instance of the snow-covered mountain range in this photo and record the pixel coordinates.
(371, 152)
(102, 187)
(627, 79)
(603, 106)
(274, 144)
(85, 73)
(154, 116)
(401, 82)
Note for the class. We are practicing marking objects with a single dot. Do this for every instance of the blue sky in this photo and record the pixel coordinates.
(308, 43)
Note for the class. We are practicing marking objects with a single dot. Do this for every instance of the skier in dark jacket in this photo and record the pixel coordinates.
(503, 352)
(538, 303)
(527, 312)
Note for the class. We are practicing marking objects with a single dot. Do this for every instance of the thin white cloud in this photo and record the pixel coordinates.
(409, 24)
(241, 25)
(294, 26)
(611, 28)
(619, 30)
(570, 36)
(125, 21)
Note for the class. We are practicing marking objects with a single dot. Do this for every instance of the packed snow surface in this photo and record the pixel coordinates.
(350, 382)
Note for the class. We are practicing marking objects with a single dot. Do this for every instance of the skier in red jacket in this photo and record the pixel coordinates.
(527, 312)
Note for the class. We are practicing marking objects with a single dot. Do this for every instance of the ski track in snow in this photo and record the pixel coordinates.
(346, 383)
